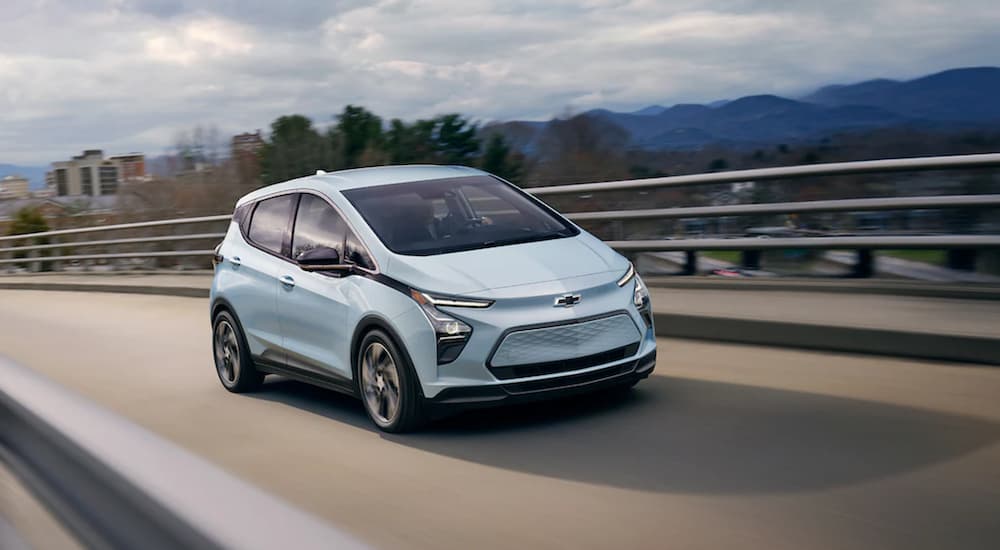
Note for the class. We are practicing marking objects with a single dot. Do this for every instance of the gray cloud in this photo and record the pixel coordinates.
(301, 13)
(130, 74)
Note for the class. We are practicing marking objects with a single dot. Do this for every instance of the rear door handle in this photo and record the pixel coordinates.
(235, 260)
(287, 280)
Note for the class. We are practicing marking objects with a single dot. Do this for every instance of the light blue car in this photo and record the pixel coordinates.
(423, 287)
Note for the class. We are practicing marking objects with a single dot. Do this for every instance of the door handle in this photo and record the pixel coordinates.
(287, 280)
(235, 260)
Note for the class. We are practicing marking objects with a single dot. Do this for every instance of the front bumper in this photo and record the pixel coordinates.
(460, 397)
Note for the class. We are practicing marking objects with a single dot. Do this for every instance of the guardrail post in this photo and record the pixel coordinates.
(55, 265)
(690, 263)
(750, 259)
(963, 259)
(863, 264)
(618, 230)
(34, 267)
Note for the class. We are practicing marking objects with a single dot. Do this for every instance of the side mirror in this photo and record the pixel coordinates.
(322, 258)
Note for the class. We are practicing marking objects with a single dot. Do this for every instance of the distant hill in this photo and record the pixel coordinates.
(958, 95)
(951, 99)
(35, 174)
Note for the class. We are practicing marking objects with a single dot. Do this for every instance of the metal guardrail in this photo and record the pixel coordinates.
(117, 256)
(690, 245)
(844, 205)
(119, 226)
(786, 172)
(110, 242)
(822, 243)
(116, 486)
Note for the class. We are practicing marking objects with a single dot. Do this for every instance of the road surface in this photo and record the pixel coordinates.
(725, 446)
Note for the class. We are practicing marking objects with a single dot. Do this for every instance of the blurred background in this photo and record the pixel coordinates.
(811, 191)
(126, 111)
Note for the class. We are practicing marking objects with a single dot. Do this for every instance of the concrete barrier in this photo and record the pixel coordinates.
(967, 348)
(921, 345)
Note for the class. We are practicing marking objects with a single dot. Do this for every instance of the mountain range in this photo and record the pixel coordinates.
(953, 99)
(950, 100)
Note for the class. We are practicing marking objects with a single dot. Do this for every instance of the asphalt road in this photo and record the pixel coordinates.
(725, 446)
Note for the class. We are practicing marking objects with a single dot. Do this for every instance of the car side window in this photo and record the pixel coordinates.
(317, 224)
(356, 253)
(270, 222)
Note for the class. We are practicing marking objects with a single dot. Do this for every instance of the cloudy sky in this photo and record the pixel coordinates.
(128, 75)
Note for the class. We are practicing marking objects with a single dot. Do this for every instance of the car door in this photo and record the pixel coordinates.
(255, 267)
(313, 306)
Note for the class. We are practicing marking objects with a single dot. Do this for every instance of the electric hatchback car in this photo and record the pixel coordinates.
(423, 287)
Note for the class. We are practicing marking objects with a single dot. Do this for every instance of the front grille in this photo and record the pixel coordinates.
(545, 348)
(569, 381)
(565, 365)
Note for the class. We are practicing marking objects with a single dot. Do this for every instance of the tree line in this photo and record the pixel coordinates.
(359, 138)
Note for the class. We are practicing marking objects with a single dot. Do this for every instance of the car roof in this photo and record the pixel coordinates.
(365, 177)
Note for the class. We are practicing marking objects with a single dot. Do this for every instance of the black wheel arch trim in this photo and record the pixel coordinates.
(374, 321)
(219, 304)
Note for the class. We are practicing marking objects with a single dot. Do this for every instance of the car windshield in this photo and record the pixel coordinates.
(430, 217)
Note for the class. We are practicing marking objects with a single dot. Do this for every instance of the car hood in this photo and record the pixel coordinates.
(478, 271)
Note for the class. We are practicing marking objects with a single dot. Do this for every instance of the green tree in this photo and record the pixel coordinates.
(454, 139)
(28, 221)
(444, 139)
(409, 143)
(498, 159)
(359, 132)
(294, 149)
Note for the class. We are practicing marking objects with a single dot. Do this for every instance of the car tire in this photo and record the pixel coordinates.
(388, 384)
(233, 363)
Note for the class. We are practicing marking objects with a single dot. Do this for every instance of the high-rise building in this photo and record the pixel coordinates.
(247, 143)
(132, 166)
(14, 187)
(245, 155)
(92, 175)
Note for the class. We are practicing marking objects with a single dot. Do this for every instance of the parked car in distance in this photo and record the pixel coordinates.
(418, 288)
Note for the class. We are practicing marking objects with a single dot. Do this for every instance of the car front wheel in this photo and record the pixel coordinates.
(388, 385)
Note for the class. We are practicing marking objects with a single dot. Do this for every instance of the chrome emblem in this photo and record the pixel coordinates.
(568, 300)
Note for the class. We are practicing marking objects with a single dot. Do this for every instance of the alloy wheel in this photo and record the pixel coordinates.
(380, 383)
(227, 353)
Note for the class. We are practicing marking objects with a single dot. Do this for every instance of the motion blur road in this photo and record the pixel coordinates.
(725, 446)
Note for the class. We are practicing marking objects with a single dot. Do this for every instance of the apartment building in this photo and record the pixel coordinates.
(14, 187)
(91, 174)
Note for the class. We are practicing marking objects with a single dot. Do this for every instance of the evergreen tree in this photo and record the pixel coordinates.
(358, 130)
(500, 160)
(294, 149)
(454, 139)
(409, 143)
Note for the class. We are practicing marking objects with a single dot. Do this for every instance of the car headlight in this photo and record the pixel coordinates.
(452, 334)
(628, 276)
(640, 294)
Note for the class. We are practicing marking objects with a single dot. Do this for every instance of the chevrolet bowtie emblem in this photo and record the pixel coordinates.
(568, 300)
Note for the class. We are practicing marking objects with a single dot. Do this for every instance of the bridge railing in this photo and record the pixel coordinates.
(114, 485)
(50, 247)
